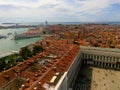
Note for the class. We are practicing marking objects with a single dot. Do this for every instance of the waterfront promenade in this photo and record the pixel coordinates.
(9, 53)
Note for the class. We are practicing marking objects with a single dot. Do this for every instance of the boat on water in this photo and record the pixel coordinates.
(9, 34)
(3, 36)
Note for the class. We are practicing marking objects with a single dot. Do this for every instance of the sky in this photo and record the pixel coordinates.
(59, 10)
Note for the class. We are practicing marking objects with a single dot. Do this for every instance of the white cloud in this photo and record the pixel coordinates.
(56, 9)
(28, 3)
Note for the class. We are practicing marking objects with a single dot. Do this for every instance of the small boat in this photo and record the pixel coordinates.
(9, 34)
(2, 36)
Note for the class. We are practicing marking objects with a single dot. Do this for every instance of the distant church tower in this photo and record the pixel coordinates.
(47, 29)
(46, 23)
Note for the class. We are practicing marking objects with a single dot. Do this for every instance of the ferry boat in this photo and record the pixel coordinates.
(3, 36)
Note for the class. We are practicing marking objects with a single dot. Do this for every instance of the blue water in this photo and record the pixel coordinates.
(8, 44)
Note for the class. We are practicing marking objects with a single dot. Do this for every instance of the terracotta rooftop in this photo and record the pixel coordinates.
(41, 68)
(6, 76)
(58, 68)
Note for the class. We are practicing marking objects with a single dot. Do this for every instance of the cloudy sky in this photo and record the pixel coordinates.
(59, 10)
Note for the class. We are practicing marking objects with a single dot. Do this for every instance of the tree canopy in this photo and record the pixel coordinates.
(25, 52)
(37, 49)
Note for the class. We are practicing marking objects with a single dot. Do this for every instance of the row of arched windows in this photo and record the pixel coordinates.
(100, 57)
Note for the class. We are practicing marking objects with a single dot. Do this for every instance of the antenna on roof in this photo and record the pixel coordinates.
(22, 86)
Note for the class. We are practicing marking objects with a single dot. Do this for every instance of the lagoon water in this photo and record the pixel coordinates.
(7, 45)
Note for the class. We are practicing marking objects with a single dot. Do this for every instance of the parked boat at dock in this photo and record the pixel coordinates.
(3, 36)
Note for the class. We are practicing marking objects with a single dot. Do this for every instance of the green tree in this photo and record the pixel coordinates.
(2, 65)
(25, 52)
(37, 49)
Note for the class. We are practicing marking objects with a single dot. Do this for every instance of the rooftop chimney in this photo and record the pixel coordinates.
(23, 87)
(35, 88)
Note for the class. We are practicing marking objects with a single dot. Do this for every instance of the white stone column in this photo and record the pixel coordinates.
(111, 65)
(104, 64)
(90, 56)
(87, 56)
(108, 64)
(98, 63)
(115, 66)
(102, 57)
(118, 67)
(111, 59)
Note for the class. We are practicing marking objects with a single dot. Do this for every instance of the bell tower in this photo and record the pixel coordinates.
(47, 29)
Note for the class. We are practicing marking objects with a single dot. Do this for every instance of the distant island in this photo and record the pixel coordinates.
(10, 23)
(18, 26)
